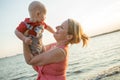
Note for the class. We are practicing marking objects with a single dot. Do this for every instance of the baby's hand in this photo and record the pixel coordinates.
(28, 40)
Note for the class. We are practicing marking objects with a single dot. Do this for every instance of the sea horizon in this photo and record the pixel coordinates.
(93, 36)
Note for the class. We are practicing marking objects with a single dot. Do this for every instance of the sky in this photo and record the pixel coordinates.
(95, 16)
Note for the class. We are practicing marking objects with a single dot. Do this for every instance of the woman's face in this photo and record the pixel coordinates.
(61, 33)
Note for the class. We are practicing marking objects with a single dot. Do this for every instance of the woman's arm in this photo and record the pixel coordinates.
(27, 53)
(51, 56)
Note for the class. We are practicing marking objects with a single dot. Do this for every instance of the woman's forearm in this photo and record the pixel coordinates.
(27, 54)
(29, 58)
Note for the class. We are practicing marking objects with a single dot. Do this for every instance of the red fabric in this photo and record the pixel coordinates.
(22, 27)
(56, 71)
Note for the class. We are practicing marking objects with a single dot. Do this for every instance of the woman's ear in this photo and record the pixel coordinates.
(69, 37)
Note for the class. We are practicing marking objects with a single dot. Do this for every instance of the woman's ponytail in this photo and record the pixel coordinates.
(75, 29)
(85, 39)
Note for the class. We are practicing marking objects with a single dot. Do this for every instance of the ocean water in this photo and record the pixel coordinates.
(100, 60)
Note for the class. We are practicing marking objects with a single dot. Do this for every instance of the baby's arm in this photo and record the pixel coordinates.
(19, 35)
(50, 29)
(22, 37)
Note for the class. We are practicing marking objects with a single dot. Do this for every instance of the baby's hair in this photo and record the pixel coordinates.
(36, 6)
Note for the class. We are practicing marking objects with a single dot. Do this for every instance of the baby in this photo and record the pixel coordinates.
(30, 30)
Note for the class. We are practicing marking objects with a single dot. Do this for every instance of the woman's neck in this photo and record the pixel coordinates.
(62, 43)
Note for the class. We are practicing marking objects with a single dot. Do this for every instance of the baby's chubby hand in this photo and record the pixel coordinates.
(28, 40)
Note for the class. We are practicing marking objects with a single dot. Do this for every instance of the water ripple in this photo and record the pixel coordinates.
(107, 73)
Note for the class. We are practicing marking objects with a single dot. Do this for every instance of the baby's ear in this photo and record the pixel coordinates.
(69, 37)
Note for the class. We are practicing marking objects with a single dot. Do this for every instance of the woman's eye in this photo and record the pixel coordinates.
(61, 27)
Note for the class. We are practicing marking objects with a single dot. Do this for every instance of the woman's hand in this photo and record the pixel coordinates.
(28, 40)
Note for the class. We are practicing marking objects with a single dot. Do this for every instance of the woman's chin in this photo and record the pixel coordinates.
(55, 36)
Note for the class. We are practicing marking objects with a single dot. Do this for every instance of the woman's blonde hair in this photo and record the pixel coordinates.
(75, 29)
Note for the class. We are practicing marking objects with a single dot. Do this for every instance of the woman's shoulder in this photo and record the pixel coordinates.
(49, 46)
(63, 49)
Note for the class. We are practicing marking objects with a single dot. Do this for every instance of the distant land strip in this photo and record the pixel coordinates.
(105, 33)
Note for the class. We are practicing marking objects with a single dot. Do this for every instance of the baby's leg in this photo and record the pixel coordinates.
(36, 46)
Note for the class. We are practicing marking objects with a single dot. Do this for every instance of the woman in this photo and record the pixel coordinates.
(52, 64)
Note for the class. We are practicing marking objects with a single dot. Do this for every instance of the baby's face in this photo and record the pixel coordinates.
(40, 17)
(37, 16)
